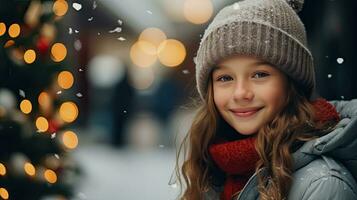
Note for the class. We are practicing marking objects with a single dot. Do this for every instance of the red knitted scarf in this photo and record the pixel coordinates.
(238, 158)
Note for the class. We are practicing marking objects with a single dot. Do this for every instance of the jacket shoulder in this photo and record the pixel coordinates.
(323, 178)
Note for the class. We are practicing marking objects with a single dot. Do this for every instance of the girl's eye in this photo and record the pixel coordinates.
(224, 78)
(260, 75)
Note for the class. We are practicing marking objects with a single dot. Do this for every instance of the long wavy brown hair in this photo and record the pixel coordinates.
(276, 141)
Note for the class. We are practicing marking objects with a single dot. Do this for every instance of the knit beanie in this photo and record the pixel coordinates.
(269, 30)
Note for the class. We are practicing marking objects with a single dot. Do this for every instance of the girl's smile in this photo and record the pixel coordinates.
(248, 92)
(245, 112)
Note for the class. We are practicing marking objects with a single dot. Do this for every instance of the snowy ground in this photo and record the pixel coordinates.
(112, 174)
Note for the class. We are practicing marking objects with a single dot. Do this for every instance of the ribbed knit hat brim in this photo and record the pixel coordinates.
(258, 40)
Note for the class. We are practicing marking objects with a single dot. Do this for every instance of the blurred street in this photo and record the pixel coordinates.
(125, 174)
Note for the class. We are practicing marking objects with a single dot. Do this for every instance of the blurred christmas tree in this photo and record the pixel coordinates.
(35, 137)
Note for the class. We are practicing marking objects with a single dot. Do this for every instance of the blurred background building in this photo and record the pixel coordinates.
(117, 76)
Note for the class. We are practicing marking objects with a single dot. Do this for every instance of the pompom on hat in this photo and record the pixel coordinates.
(267, 29)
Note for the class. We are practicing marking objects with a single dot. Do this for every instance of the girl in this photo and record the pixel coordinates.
(260, 132)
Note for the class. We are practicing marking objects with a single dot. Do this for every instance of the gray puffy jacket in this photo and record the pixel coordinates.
(324, 168)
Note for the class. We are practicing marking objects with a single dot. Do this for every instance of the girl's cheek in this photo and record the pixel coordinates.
(220, 96)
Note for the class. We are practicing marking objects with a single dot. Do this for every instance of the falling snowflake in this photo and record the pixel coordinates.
(98, 33)
(76, 31)
(77, 6)
(53, 135)
(94, 5)
(56, 155)
(185, 71)
(236, 6)
(79, 94)
(59, 92)
(326, 56)
(342, 97)
(90, 19)
(22, 93)
(339, 60)
(82, 195)
(161, 146)
(117, 29)
(77, 45)
(70, 31)
(120, 22)
(148, 11)
(329, 75)
(81, 70)
(125, 111)
(121, 39)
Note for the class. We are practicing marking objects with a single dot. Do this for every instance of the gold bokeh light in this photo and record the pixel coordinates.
(2, 169)
(171, 53)
(14, 30)
(44, 100)
(2, 28)
(60, 7)
(29, 169)
(197, 11)
(4, 194)
(65, 79)
(50, 176)
(68, 111)
(9, 43)
(70, 139)
(42, 124)
(26, 106)
(153, 35)
(143, 53)
(59, 52)
(29, 56)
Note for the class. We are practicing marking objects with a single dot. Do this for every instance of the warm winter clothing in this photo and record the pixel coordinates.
(267, 29)
(324, 168)
(238, 160)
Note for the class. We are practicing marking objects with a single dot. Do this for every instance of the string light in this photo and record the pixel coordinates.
(42, 124)
(50, 176)
(60, 7)
(25, 106)
(70, 139)
(14, 30)
(198, 11)
(153, 35)
(171, 53)
(65, 79)
(29, 169)
(2, 169)
(68, 112)
(58, 52)
(143, 53)
(9, 43)
(44, 99)
(4, 194)
(2, 28)
(30, 56)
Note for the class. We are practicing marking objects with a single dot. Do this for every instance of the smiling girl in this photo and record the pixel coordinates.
(260, 131)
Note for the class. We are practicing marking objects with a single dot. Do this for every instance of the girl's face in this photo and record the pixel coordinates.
(248, 92)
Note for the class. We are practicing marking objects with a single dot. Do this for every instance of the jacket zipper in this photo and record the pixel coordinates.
(249, 180)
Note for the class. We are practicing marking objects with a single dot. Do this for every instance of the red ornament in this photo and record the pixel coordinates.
(42, 45)
(54, 126)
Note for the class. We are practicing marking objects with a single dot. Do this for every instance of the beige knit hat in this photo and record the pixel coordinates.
(267, 29)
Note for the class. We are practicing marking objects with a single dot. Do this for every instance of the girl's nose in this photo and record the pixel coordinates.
(243, 91)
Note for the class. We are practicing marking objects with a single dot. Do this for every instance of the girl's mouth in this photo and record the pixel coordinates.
(247, 113)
